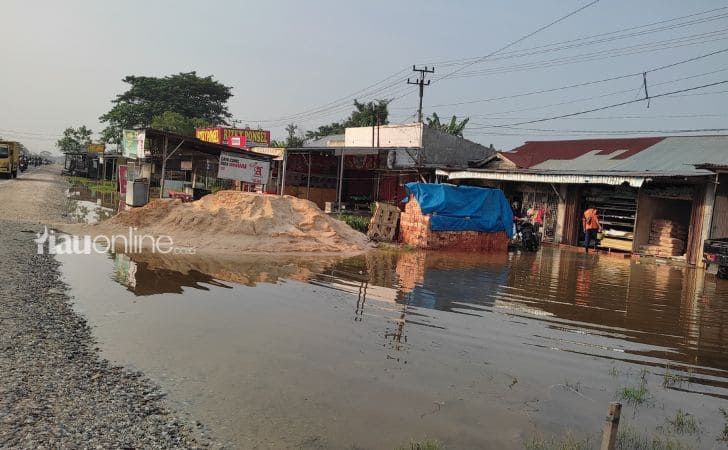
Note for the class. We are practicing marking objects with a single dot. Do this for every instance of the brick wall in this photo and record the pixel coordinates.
(414, 230)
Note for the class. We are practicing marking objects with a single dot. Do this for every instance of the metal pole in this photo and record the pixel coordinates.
(164, 166)
(308, 183)
(283, 172)
(341, 179)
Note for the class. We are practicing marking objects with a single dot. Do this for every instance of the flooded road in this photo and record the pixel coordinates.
(476, 351)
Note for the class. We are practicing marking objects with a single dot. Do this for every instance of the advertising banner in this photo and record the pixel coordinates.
(234, 166)
(122, 178)
(221, 135)
(95, 148)
(132, 144)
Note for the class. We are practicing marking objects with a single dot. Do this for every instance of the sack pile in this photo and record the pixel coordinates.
(667, 238)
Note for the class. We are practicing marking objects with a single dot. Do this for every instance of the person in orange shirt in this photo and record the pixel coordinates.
(591, 226)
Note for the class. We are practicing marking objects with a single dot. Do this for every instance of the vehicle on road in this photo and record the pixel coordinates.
(23, 163)
(715, 252)
(9, 159)
(526, 236)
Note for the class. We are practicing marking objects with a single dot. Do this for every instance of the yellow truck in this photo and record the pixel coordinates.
(9, 159)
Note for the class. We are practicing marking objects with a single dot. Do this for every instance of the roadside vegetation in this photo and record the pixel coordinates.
(427, 444)
(359, 223)
(93, 185)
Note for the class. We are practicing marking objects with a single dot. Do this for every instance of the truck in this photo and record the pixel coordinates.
(9, 159)
(715, 252)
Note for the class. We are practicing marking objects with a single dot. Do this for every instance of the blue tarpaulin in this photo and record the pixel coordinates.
(463, 208)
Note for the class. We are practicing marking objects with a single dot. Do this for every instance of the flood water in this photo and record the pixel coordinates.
(85, 205)
(476, 351)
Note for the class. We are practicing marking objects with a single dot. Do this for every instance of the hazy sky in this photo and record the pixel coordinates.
(63, 61)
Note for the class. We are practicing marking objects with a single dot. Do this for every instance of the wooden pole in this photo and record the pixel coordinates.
(611, 426)
(164, 167)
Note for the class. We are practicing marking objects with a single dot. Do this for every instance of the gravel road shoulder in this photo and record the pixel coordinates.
(56, 391)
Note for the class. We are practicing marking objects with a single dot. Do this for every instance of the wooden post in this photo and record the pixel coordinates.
(611, 426)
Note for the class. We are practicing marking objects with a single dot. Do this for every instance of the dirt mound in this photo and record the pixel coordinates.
(233, 221)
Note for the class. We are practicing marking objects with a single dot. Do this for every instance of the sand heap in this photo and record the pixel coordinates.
(234, 222)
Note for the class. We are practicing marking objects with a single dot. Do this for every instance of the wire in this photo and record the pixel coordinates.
(611, 33)
(521, 39)
(615, 105)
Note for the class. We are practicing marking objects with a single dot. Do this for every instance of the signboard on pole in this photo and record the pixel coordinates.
(234, 166)
(133, 144)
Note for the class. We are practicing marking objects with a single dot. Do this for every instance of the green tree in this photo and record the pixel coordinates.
(454, 127)
(177, 123)
(364, 115)
(195, 98)
(74, 140)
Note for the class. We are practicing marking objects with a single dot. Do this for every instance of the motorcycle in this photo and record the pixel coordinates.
(23, 164)
(526, 233)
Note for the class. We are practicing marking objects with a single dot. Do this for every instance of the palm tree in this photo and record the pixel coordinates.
(454, 127)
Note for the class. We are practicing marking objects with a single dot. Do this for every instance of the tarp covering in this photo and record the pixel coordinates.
(463, 208)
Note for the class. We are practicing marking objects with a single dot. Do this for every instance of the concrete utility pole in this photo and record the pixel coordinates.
(421, 82)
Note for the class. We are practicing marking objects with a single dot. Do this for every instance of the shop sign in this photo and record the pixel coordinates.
(221, 135)
(133, 144)
(95, 148)
(237, 167)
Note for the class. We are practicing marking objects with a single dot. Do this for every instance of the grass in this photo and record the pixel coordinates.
(630, 439)
(634, 395)
(427, 444)
(93, 185)
(724, 436)
(359, 223)
(672, 379)
(682, 423)
(552, 443)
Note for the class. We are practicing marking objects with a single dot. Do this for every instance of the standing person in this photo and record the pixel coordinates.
(590, 224)
(538, 219)
(516, 216)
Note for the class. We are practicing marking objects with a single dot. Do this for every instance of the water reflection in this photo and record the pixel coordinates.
(666, 313)
(88, 206)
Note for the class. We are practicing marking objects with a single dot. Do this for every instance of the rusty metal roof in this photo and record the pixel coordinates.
(678, 155)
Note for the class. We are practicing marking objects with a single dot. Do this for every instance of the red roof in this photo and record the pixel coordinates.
(535, 152)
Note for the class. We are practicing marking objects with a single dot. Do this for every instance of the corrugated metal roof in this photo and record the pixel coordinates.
(657, 156)
(335, 140)
(533, 153)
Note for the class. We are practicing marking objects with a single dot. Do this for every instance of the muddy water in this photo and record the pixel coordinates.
(85, 205)
(370, 352)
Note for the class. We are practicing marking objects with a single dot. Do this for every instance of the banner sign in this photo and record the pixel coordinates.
(122, 178)
(95, 148)
(234, 166)
(221, 135)
(237, 141)
(132, 144)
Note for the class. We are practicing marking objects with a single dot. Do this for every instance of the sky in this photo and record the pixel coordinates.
(305, 62)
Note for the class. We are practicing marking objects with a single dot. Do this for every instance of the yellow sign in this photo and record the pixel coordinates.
(95, 148)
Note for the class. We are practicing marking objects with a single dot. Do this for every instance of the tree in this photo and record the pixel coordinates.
(177, 123)
(364, 115)
(194, 98)
(74, 140)
(453, 127)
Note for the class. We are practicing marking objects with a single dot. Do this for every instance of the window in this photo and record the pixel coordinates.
(3, 152)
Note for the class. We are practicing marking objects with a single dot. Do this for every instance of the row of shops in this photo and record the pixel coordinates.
(648, 191)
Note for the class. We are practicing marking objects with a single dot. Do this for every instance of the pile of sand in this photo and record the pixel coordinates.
(235, 222)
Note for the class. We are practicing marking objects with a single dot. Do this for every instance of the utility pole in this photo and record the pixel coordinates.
(421, 83)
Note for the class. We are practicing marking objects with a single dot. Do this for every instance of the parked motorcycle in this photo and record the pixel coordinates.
(527, 235)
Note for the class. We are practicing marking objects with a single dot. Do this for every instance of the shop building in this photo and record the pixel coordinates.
(638, 185)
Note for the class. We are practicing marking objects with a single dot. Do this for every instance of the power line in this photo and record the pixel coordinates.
(615, 105)
(521, 39)
(612, 33)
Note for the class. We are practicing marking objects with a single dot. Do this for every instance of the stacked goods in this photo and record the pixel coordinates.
(415, 230)
(667, 238)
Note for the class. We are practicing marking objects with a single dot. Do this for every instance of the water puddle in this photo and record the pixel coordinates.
(478, 351)
(85, 205)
